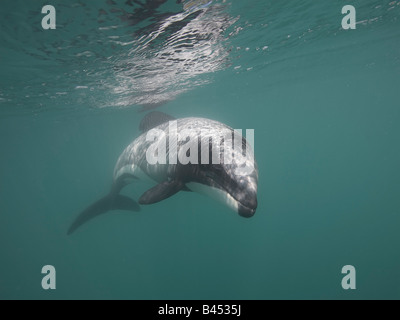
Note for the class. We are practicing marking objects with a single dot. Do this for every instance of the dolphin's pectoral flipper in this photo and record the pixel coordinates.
(161, 191)
(107, 203)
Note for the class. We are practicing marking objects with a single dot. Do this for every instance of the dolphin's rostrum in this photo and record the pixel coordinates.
(218, 180)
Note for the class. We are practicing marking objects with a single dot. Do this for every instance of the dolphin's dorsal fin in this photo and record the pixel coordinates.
(161, 191)
(154, 119)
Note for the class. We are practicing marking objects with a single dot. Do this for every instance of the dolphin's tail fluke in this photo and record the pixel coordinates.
(107, 203)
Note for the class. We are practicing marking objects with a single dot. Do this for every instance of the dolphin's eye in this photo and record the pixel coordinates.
(215, 172)
(218, 170)
(210, 174)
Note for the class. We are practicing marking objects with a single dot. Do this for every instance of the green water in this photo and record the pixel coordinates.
(324, 104)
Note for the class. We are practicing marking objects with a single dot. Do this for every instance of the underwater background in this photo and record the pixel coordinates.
(324, 104)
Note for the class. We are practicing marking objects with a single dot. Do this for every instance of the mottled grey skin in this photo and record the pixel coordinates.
(243, 188)
(239, 191)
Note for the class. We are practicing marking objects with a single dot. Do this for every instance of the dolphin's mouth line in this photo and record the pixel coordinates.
(227, 191)
(238, 201)
(246, 207)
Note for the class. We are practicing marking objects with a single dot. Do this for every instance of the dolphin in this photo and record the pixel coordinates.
(224, 180)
